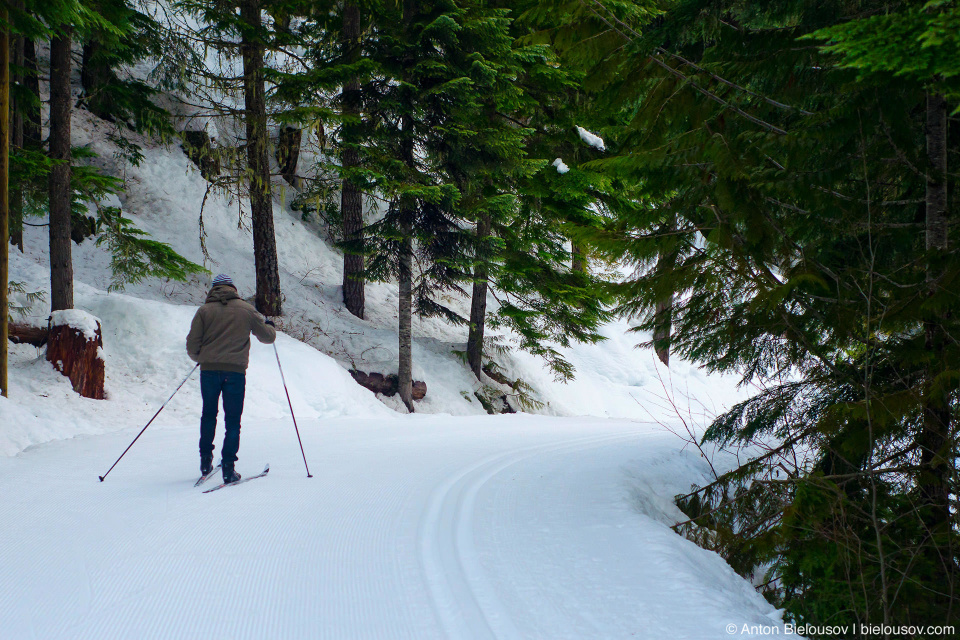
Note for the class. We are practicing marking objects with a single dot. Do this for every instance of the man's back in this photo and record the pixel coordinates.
(219, 337)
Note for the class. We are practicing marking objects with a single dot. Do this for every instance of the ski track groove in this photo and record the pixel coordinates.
(401, 534)
(463, 599)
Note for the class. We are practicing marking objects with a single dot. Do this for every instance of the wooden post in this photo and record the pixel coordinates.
(4, 203)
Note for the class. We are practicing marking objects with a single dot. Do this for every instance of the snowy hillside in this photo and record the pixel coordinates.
(164, 196)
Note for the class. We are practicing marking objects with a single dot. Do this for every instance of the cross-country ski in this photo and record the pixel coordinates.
(265, 471)
(203, 478)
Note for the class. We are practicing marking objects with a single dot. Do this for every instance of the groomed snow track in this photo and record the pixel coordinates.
(419, 528)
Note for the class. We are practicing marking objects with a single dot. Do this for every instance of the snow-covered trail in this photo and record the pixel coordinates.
(419, 527)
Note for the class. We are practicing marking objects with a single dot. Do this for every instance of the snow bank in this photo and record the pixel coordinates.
(144, 327)
(144, 351)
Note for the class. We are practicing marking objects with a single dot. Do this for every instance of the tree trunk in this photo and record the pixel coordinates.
(661, 335)
(199, 148)
(61, 259)
(94, 77)
(407, 210)
(288, 153)
(268, 299)
(4, 208)
(28, 334)
(663, 315)
(934, 480)
(405, 366)
(478, 304)
(16, 139)
(351, 199)
(31, 81)
(75, 352)
(578, 263)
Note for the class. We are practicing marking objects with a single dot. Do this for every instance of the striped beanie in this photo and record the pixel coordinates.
(223, 279)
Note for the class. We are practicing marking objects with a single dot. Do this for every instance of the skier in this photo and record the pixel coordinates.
(219, 340)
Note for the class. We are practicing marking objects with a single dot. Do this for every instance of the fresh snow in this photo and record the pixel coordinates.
(561, 166)
(76, 319)
(591, 139)
(444, 524)
(412, 527)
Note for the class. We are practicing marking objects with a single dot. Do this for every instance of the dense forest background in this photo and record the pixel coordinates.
(766, 188)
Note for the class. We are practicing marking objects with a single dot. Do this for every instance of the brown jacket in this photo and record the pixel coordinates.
(219, 336)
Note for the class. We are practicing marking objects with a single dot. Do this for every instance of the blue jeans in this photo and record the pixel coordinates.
(233, 386)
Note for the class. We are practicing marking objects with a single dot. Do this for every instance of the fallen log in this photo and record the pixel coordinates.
(387, 385)
(28, 334)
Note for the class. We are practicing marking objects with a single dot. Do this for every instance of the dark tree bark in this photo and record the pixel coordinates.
(61, 258)
(405, 366)
(31, 82)
(288, 153)
(663, 315)
(28, 334)
(16, 139)
(95, 76)
(77, 356)
(268, 301)
(198, 147)
(934, 437)
(387, 385)
(4, 205)
(578, 263)
(351, 199)
(478, 304)
(661, 335)
(407, 211)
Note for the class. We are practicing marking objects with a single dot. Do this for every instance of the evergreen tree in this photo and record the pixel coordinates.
(351, 197)
(240, 32)
(61, 259)
(798, 197)
(268, 300)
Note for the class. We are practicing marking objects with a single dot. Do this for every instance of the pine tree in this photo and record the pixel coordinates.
(268, 298)
(239, 32)
(4, 184)
(61, 260)
(793, 190)
(351, 197)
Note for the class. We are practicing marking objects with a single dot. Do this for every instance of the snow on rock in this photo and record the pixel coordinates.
(561, 167)
(76, 319)
(591, 139)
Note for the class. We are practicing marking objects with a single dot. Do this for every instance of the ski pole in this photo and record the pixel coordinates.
(284, 380)
(151, 420)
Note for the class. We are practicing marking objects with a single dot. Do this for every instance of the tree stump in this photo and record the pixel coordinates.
(199, 148)
(74, 347)
(288, 153)
(387, 385)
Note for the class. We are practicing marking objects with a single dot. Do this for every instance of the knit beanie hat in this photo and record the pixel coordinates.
(223, 279)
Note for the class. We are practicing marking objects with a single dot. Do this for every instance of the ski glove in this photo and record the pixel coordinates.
(269, 322)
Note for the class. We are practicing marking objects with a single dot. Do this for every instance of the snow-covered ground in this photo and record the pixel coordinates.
(448, 523)
(412, 527)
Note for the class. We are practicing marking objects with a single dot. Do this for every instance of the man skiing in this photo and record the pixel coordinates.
(219, 340)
